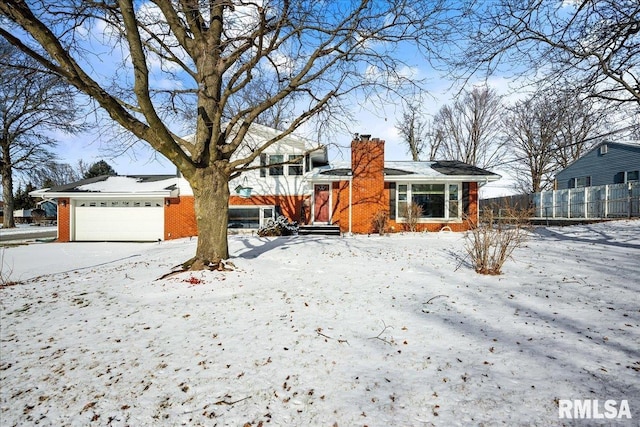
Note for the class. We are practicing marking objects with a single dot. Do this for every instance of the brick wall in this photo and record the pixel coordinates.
(64, 220)
(180, 217)
(369, 197)
(290, 206)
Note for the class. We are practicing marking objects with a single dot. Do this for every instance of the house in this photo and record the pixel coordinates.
(610, 162)
(308, 189)
(22, 216)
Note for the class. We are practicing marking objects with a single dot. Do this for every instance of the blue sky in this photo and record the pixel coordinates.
(375, 119)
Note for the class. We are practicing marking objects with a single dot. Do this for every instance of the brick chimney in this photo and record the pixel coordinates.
(367, 166)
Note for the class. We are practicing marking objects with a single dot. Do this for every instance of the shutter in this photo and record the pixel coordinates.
(392, 200)
(263, 163)
(572, 183)
(465, 198)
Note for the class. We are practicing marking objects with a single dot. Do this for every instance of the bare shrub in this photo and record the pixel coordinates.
(492, 241)
(380, 222)
(5, 273)
(412, 213)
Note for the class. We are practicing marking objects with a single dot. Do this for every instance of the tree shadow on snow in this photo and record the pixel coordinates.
(604, 238)
(253, 247)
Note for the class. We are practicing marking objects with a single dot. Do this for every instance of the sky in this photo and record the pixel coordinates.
(379, 121)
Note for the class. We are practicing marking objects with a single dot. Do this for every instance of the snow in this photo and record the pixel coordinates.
(125, 184)
(363, 330)
(26, 229)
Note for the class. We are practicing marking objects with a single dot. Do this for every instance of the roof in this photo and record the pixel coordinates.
(443, 170)
(119, 185)
(258, 134)
(634, 145)
(631, 143)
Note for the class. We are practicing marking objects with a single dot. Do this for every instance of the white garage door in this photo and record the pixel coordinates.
(119, 220)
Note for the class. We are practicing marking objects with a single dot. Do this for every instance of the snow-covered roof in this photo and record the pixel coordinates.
(122, 186)
(412, 171)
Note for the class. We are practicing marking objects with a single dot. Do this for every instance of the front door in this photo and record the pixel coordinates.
(321, 203)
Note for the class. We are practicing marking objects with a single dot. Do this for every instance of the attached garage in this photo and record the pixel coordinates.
(114, 208)
(118, 220)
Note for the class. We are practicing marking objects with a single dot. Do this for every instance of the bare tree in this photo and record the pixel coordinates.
(31, 102)
(582, 120)
(470, 128)
(55, 173)
(207, 52)
(549, 130)
(532, 130)
(592, 46)
(413, 129)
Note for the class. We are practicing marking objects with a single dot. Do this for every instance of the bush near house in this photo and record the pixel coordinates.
(493, 240)
(279, 227)
(380, 222)
(412, 212)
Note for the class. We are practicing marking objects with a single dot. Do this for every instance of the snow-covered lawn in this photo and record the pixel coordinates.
(376, 331)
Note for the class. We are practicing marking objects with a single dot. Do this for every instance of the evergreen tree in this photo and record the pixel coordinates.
(99, 168)
(22, 200)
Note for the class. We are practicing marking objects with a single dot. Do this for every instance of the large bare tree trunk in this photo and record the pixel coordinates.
(7, 189)
(211, 191)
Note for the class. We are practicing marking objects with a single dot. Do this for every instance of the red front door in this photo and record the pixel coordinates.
(321, 203)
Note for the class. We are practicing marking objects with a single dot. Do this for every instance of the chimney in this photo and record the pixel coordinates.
(367, 156)
(367, 166)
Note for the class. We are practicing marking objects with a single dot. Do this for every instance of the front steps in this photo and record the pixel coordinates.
(319, 230)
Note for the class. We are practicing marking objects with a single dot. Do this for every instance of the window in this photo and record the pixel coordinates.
(430, 197)
(276, 170)
(583, 181)
(436, 200)
(632, 176)
(249, 217)
(454, 204)
(604, 148)
(296, 168)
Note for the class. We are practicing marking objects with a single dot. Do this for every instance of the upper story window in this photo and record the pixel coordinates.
(296, 165)
(274, 165)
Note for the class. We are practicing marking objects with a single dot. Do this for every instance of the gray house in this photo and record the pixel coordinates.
(610, 162)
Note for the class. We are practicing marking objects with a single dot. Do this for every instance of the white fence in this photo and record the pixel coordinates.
(604, 201)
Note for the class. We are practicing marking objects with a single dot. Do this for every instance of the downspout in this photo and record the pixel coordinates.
(350, 201)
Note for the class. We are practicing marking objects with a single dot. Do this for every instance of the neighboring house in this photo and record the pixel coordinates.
(49, 209)
(310, 191)
(610, 162)
(22, 216)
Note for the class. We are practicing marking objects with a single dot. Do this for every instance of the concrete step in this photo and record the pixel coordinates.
(319, 230)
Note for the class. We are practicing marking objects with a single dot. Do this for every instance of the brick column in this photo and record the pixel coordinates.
(367, 165)
(64, 220)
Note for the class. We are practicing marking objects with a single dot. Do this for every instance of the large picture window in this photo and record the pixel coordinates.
(250, 216)
(436, 201)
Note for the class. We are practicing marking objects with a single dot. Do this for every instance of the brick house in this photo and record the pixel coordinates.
(308, 190)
